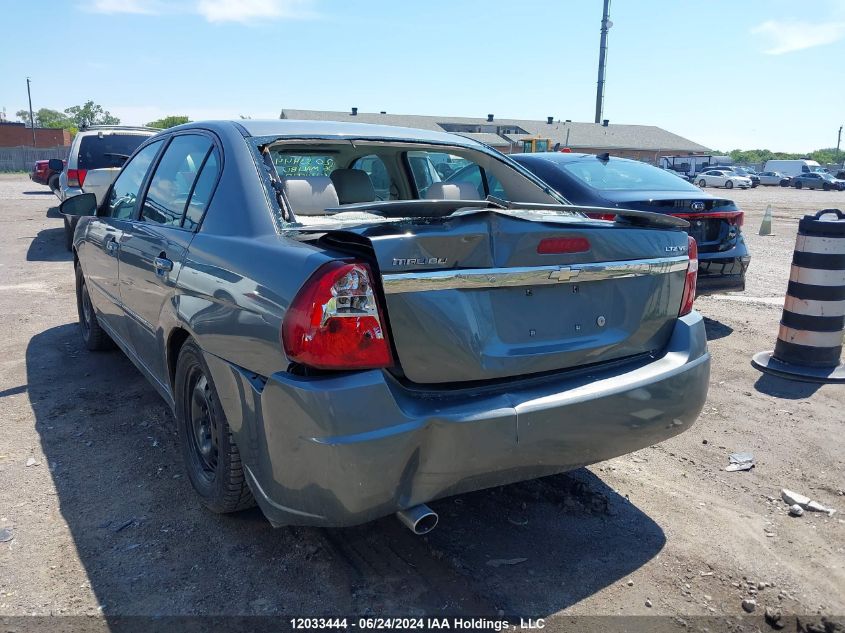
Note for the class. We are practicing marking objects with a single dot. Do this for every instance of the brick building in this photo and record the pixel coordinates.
(642, 142)
(17, 134)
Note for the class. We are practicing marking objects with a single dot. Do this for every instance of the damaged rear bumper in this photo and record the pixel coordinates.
(343, 450)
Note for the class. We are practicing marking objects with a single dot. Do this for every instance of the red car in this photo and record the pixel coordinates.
(43, 175)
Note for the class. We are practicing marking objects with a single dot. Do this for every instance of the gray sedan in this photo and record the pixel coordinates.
(774, 179)
(336, 357)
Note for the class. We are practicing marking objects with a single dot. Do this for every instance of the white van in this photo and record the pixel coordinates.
(793, 167)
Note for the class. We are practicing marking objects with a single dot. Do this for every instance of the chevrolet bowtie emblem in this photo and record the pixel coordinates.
(564, 273)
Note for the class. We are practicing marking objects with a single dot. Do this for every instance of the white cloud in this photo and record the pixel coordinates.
(786, 37)
(243, 11)
(252, 10)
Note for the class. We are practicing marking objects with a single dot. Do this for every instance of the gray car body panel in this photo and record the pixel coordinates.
(346, 448)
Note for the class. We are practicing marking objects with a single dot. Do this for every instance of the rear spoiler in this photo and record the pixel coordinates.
(625, 216)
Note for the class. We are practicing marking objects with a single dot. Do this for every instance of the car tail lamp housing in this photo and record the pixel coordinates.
(734, 218)
(691, 278)
(610, 217)
(76, 177)
(335, 321)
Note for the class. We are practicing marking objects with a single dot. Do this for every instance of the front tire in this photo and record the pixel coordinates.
(208, 448)
(826, 186)
(93, 335)
(53, 183)
(729, 184)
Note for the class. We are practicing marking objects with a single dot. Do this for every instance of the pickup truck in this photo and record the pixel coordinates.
(43, 175)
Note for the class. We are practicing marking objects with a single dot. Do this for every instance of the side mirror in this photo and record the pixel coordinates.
(81, 205)
(55, 164)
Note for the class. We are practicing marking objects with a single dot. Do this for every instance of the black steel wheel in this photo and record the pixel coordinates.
(93, 335)
(208, 447)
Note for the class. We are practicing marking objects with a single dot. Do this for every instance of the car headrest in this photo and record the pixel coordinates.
(311, 195)
(457, 190)
(353, 185)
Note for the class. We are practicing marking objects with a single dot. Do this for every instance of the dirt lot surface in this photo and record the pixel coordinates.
(96, 515)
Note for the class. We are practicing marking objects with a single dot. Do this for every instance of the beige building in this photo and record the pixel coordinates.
(642, 142)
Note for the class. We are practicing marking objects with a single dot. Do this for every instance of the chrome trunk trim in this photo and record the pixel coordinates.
(464, 279)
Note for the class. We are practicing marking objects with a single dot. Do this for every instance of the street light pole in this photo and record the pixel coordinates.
(605, 25)
(838, 141)
(31, 118)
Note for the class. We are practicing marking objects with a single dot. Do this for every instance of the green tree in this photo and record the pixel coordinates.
(169, 121)
(45, 117)
(90, 114)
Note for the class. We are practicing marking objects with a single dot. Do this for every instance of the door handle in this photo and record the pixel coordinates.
(162, 266)
(112, 246)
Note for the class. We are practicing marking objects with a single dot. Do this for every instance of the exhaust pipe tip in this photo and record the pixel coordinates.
(420, 519)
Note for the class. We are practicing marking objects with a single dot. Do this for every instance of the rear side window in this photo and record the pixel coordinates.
(172, 184)
(203, 188)
(108, 150)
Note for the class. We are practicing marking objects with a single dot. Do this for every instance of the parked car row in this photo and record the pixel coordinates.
(96, 155)
(336, 352)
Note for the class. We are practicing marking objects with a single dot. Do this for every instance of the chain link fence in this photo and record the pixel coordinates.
(22, 158)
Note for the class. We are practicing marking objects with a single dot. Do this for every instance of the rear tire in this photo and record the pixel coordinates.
(729, 184)
(702, 183)
(93, 335)
(208, 448)
(798, 185)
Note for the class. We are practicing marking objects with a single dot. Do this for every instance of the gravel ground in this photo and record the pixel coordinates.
(102, 519)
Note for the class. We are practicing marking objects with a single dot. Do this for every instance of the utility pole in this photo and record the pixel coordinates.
(838, 141)
(31, 118)
(605, 26)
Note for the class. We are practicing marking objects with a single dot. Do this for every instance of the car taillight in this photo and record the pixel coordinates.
(76, 177)
(734, 218)
(335, 321)
(691, 278)
(602, 216)
(556, 245)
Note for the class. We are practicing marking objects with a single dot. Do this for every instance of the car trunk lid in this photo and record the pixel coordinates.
(476, 297)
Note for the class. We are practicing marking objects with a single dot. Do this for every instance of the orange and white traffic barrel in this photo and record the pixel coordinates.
(809, 343)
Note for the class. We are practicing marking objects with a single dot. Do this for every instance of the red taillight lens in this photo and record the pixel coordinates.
(734, 218)
(692, 277)
(553, 245)
(335, 321)
(76, 177)
(602, 216)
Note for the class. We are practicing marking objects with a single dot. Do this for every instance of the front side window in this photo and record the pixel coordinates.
(173, 181)
(377, 171)
(472, 173)
(124, 192)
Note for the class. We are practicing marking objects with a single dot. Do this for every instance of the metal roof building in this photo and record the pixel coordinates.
(643, 142)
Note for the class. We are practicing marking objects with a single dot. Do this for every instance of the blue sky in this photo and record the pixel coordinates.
(726, 73)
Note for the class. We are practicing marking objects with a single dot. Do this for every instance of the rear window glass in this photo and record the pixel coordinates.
(109, 150)
(615, 175)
